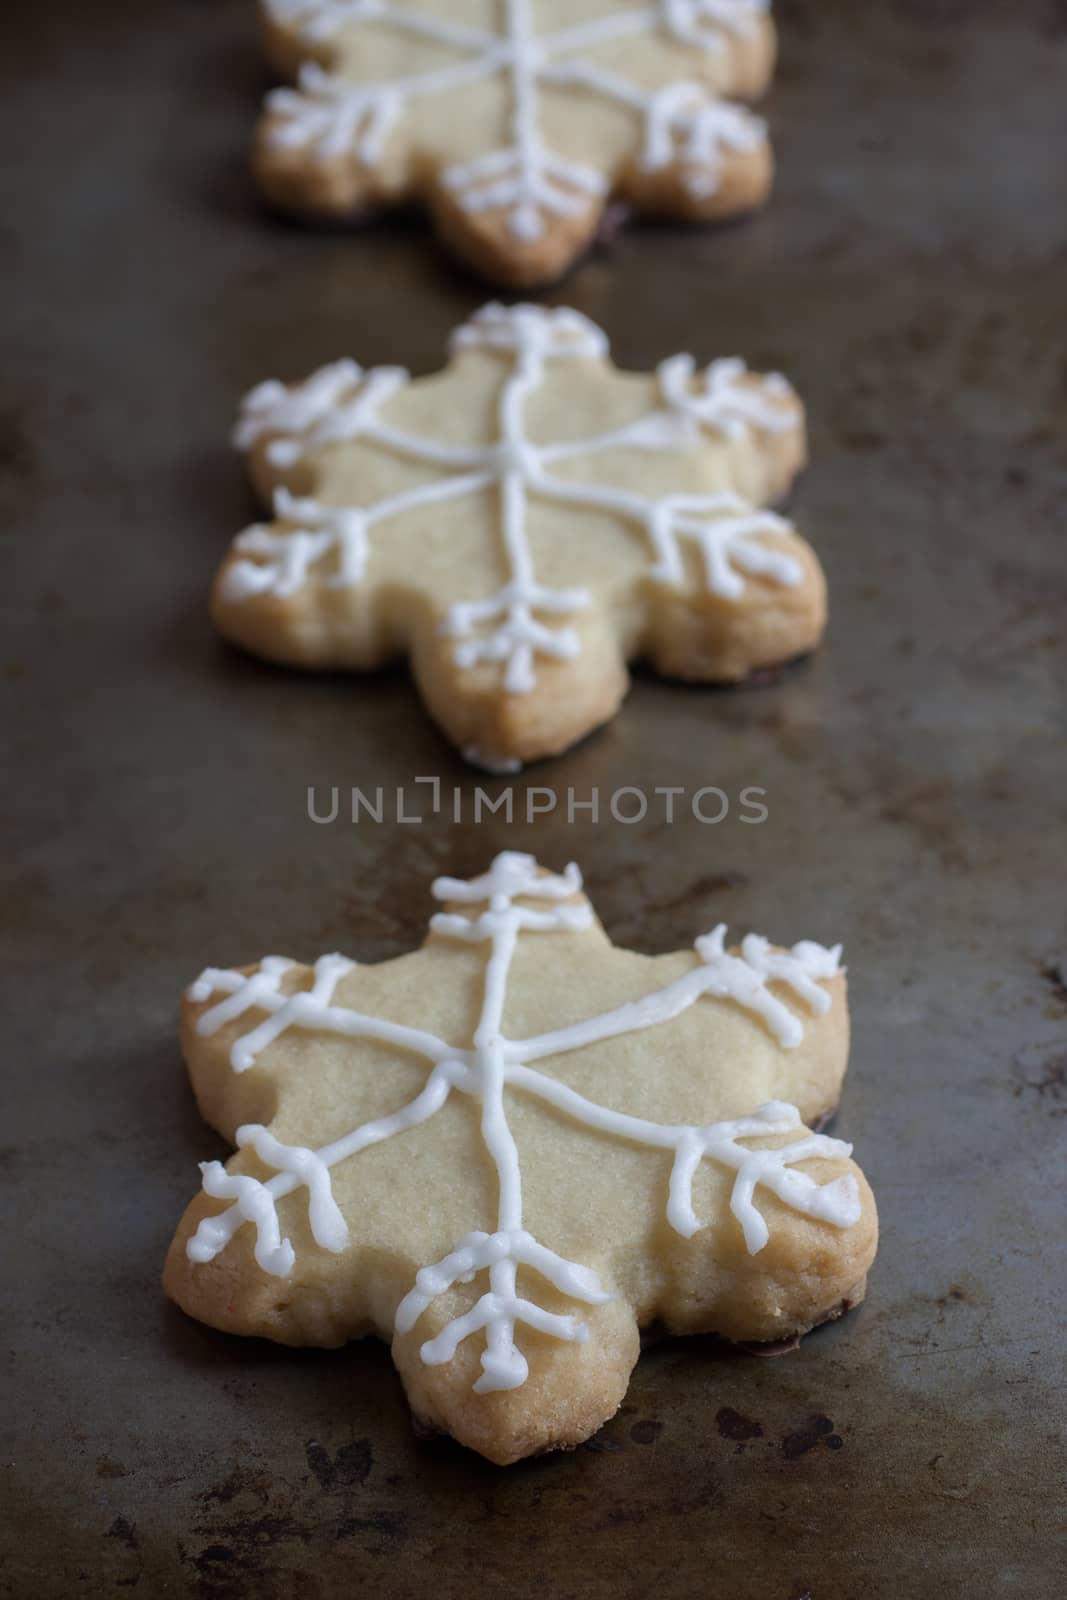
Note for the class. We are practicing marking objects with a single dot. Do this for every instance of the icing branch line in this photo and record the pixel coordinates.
(256, 1202)
(686, 121)
(340, 404)
(332, 117)
(600, 30)
(561, 332)
(512, 874)
(337, 403)
(286, 559)
(476, 930)
(306, 1008)
(428, 494)
(742, 979)
(440, 31)
(682, 19)
(326, 117)
(836, 1202)
(429, 451)
(702, 21)
(502, 1252)
(681, 119)
(243, 989)
(727, 541)
(729, 400)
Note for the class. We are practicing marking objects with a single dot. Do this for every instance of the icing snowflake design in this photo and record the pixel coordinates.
(490, 1066)
(679, 123)
(520, 621)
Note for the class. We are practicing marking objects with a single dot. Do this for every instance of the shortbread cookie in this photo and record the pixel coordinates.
(513, 121)
(509, 1151)
(523, 524)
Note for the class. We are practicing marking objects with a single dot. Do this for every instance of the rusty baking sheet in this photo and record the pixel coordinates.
(909, 278)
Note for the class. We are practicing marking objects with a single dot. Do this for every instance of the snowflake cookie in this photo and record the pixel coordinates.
(511, 1149)
(515, 120)
(523, 524)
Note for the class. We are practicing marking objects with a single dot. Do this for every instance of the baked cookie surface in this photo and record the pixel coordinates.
(511, 1149)
(523, 524)
(514, 121)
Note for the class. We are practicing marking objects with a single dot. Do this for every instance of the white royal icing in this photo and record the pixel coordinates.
(287, 558)
(329, 116)
(684, 122)
(495, 910)
(342, 402)
(703, 21)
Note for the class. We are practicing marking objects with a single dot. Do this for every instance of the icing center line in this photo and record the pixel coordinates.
(341, 404)
(486, 1069)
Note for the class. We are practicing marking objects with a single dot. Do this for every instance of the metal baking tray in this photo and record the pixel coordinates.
(909, 277)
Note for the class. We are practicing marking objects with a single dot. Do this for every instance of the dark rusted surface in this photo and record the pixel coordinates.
(910, 278)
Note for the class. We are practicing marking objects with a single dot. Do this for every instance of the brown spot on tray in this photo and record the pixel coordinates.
(930, 809)
(732, 1425)
(817, 1430)
(601, 1446)
(710, 883)
(18, 458)
(124, 1531)
(351, 1464)
(215, 1552)
(1055, 975)
(1048, 1082)
(390, 1527)
(861, 440)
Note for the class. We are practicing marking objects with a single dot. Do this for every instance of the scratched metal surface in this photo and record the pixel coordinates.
(910, 278)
